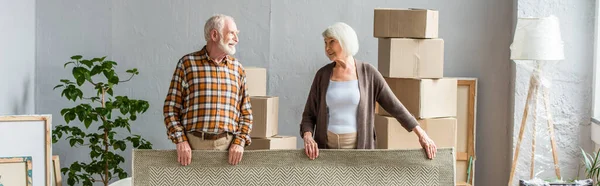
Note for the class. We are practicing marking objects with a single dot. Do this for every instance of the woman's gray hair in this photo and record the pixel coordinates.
(345, 35)
(215, 22)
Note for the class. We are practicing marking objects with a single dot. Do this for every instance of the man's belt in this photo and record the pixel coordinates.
(209, 136)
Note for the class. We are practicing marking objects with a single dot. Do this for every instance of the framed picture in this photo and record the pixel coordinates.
(28, 135)
(56, 174)
(16, 171)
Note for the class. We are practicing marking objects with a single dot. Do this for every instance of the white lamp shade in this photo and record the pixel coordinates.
(537, 39)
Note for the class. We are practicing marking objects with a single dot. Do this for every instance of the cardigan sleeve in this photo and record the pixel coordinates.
(311, 108)
(386, 98)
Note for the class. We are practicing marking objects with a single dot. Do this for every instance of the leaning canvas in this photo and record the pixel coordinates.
(15, 171)
(36, 144)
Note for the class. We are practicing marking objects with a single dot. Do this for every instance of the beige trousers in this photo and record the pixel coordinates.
(197, 143)
(341, 141)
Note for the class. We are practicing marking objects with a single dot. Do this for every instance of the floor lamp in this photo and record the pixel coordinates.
(537, 40)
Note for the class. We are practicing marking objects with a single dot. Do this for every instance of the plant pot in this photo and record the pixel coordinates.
(539, 182)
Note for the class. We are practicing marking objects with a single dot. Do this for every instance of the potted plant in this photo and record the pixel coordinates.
(592, 166)
(97, 114)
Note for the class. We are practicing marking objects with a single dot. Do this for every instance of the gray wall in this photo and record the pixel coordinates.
(17, 57)
(570, 91)
(282, 36)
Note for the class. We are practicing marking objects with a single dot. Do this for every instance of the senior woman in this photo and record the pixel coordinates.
(340, 109)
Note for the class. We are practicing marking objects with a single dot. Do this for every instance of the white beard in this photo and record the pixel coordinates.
(224, 46)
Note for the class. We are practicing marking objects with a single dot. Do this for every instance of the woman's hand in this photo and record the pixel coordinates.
(426, 142)
(310, 146)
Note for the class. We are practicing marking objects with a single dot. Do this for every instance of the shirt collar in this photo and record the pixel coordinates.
(228, 59)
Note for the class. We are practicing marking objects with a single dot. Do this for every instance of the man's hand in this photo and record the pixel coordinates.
(235, 154)
(184, 153)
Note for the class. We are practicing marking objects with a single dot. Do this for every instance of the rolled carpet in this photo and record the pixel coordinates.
(292, 167)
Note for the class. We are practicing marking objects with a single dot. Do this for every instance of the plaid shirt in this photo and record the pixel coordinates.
(208, 97)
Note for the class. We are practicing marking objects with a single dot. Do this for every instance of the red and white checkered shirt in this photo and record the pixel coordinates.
(210, 97)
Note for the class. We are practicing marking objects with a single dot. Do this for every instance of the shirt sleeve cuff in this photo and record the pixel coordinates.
(242, 140)
(178, 137)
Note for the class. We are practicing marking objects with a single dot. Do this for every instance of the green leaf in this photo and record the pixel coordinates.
(67, 119)
(107, 65)
(133, 71)
(136, 142)
(76, 72)
(65, 66)
(79, 94)
(70, 116)
(116, 146)
(54, 139)
(96, 70)
(76, 57)
(109, 105)
(133, 117)
(72, 142)
(94, 99)
(88, 122)
(110, 91)
(80, 80)
(111, 135)
(587, 163)
(80, 114)
(123, 145)
(145, 106)
(112, 63)
(87, 63)
(124, 109)
(64, 170)
(109, 115)
(108, 73)
(146, 145)
(63, 111)
(71, 181)
(58, 86)
(114, 80)
(122, 175)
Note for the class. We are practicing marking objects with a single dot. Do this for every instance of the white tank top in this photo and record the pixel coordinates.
(342, 101)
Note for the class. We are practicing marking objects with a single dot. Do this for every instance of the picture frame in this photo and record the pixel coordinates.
(29, 136)
(56, 174)
(16, 171)
(466, 125)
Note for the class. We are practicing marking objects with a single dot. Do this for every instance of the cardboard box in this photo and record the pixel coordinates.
(407, 23)
(275, 142)
(411, 58)
(425, 98)
(256, 81)
(391, 135)
(265, 113)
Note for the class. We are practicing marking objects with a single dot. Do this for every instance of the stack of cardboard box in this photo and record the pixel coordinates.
(265, 111)
(411, 59)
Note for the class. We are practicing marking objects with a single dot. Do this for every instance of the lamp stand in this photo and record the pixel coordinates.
(534, 86)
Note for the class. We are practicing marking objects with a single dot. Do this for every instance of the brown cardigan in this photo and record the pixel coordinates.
(372, 87)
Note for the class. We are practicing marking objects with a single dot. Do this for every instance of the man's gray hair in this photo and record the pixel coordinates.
(345, 35)
(215, 22)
